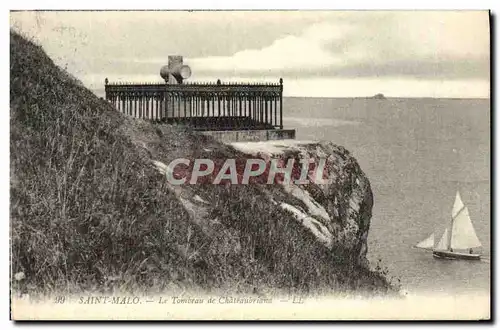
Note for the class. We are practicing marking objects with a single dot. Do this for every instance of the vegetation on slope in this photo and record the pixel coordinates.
(89, 211)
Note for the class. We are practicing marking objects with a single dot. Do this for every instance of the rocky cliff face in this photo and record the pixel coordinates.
(337, 211)
(340, 207)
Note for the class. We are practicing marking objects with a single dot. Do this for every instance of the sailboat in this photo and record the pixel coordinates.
(459, 240)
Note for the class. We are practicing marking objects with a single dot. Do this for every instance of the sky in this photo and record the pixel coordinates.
(317, 53)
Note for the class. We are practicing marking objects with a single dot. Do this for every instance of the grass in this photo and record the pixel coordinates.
(89, 212)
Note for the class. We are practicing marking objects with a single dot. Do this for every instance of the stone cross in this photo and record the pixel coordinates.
(175, 72)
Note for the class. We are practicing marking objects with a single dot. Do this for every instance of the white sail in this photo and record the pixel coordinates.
(457, 206)
(463, 235)
(443, 242)
(427, 243)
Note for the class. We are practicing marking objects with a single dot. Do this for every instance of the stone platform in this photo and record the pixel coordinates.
(251, 135)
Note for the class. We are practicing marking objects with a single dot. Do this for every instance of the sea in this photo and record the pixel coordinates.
(417, 153)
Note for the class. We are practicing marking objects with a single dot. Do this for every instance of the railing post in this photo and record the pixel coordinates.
(186, 105)
(166, 107)
(106, 95)
(275, 110)
(266, 109)
(179, 104)
(281, 103)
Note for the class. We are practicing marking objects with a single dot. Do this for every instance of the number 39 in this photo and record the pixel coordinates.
(60, 300)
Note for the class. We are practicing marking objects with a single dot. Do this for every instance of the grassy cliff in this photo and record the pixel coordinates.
(90, 211)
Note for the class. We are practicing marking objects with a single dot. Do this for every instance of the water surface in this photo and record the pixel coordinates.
(417, 153)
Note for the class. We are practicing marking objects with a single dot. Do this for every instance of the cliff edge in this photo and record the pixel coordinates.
(91, 208)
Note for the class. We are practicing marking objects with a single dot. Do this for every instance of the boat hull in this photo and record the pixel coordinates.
(455, 255)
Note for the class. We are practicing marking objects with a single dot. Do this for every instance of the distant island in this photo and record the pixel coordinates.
(379, 96)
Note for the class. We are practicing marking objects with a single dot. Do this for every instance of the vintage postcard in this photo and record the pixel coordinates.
(250, 165)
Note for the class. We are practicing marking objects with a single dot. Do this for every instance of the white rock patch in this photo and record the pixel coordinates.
(274, 147)
(316, 227)
(162, 168)
(314, 208)
(199, 199)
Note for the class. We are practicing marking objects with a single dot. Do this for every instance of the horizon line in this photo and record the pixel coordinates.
(362, 97)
